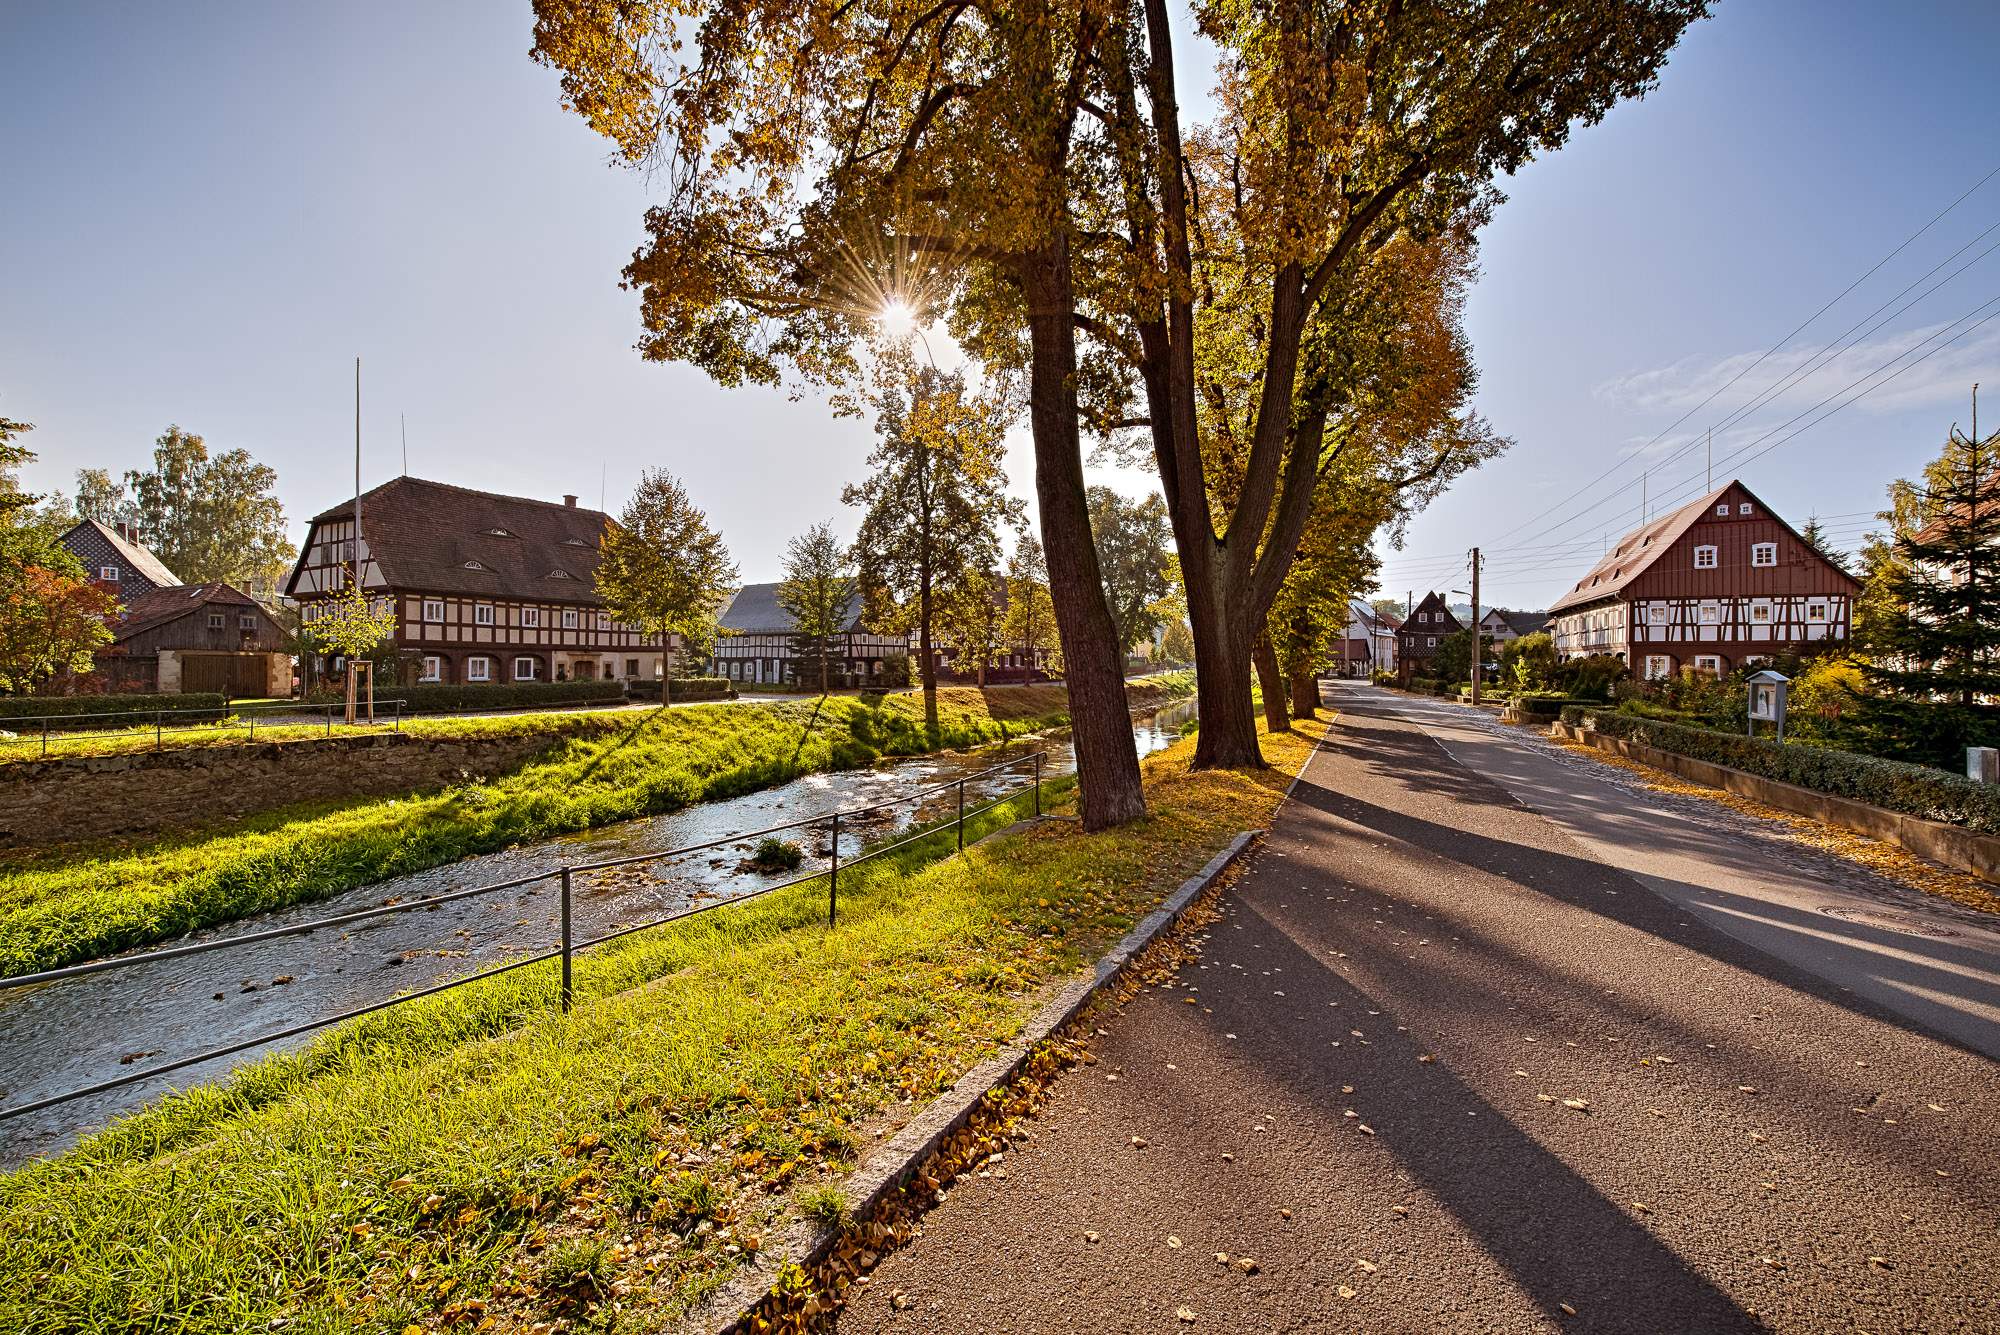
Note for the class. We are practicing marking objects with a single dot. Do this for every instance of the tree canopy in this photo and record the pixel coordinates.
(664, 570)
(207, 518)
(933, 502)
(1133, 546)
(817, 591)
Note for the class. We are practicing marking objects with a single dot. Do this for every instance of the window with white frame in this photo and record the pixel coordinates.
(482, 614)
(531, 616)
(1658, 667)
(1430, 641)
(1708, 663)
(604, 621)
(1704, 557)
(433, 668)
(247, 621)
(1711, 613)
(109, 574)
(1743, 509)
(569, 618)
(1722, 509)
(1815, 611)
(479, 668)
(524, 669)
(1760, 612)
(433, 609)
(215, 620)
(1763, 553)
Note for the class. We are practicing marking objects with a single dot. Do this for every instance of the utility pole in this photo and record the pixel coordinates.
(1478, 655)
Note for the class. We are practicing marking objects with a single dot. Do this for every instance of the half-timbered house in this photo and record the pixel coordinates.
(116, 561)
(1429, 624)
(760, 643)
(1721, 583)
(485, 588)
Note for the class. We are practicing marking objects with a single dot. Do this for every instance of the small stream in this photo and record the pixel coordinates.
(76, 1032)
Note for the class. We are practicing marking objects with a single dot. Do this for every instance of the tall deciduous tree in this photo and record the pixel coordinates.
(1133, 544)
(818, 592)
(972, 622)
(51, 619)
(100, 496)
(933, 503)
(1026, 166)
(13, 457)
(664, 570)
(1031, 618)
(211, 518)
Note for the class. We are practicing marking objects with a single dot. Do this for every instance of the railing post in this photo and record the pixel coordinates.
(158, 730)
(833, 877)
(961, 815)
(567, 992)
(253, 725)
(45, 737)
(329, 720)
(1038, 784)
(398, 723)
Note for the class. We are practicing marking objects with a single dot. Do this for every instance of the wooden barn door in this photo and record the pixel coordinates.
(234, 675)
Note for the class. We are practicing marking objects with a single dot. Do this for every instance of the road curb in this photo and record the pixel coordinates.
(805, 1244)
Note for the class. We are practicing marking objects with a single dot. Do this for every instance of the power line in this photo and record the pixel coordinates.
(1768, 352)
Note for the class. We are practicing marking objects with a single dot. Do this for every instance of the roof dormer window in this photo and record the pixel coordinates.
(574, 542)
(474, 565)
(497, 533)
(560, 573)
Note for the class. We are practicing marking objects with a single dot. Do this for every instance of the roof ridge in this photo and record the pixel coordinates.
(348, 504)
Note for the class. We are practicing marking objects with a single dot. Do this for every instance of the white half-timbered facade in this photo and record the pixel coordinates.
(1719, 584)
(759, 644)
(486, 589)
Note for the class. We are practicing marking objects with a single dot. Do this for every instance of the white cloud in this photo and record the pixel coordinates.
(1808, 375)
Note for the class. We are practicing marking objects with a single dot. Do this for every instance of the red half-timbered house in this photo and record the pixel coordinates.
(1430, 623)
(1716, 585)
(485, 588)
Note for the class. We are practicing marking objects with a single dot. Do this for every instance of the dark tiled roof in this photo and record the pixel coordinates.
(1632, 554)
(159, 606)
(135, 556)
(755, 611)
(438, 538)
(1521, 623)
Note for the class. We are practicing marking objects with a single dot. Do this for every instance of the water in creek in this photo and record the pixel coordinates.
(78, 1031)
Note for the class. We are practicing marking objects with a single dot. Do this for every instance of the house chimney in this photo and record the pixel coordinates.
(570, 501)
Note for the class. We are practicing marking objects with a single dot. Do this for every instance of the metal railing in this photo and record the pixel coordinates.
(567, 948)
(226, 718)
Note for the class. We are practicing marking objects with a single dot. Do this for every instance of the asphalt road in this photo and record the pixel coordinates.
(1453, 1063)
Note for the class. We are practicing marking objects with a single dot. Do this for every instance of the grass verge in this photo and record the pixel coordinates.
(70, 905)
(460, 1158)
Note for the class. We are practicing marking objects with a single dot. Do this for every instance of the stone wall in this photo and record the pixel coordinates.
(68, 798)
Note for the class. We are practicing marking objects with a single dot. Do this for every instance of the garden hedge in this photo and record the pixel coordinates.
(43, 706)
(1914, 790)
(444, 699)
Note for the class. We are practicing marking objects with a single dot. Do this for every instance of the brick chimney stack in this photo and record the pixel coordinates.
(570, 501)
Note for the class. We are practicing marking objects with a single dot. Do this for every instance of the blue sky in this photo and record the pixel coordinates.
(212, 209)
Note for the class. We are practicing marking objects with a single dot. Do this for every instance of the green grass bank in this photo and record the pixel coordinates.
(479, 1156)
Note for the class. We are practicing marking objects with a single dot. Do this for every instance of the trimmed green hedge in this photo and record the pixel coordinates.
(43, 706)
(687, 690)
(1914, 790)
(443, 699)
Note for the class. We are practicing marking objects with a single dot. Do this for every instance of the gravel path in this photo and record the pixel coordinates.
(1445, 1069)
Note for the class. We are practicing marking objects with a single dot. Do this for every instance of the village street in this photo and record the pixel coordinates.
(1490, 1038)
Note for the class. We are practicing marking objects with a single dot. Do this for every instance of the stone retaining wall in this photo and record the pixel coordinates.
(1951, 845)
(68, 798)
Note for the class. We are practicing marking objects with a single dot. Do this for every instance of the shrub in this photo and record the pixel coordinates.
(1590, 678)
(439, 698)
(45, 706)
(1915, 790)
(774, 855)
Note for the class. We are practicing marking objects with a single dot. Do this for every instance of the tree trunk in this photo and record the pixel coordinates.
(1107, 762)
(926, 664)
(1271, 682)
(1305, 695)
(667, 672)
(1228, 735)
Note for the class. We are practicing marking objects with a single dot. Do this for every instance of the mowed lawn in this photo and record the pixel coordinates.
(75, 904)
(477, 1155)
